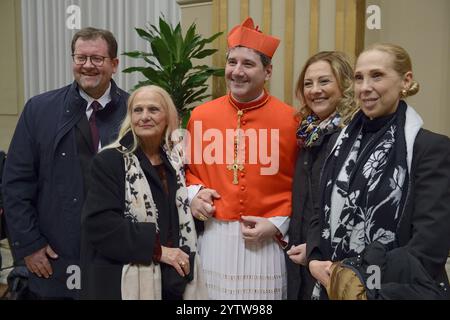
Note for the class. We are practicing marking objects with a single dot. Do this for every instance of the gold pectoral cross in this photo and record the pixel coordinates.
(235, 167)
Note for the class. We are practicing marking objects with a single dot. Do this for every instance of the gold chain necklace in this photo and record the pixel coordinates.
(236, 166)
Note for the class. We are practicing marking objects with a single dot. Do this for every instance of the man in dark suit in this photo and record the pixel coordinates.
(45, 179)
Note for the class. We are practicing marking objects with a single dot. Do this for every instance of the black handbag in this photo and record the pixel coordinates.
(173, 285)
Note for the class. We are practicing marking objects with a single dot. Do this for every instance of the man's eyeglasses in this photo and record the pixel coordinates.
(81, 59)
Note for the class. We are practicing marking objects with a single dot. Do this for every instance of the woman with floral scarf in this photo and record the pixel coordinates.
(138, 234)
(325, 90)
(385, 191)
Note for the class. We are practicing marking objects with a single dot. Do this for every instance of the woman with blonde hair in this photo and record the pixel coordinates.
(138, 235)
(385, 189)
(325, 90)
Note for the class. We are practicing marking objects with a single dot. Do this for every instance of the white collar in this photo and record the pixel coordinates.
(103, 100)
(413, 123)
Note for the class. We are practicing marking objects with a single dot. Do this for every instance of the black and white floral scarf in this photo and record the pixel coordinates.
(143, 282)
(364, 188)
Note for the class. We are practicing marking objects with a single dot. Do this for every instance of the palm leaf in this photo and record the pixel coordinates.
(169, 64)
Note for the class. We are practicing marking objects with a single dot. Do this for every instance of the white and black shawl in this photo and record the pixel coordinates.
(364, 187)
(143, 282)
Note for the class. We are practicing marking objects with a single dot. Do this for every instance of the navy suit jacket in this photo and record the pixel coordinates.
(44, 187)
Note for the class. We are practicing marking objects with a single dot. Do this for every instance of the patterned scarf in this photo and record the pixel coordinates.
(311, 128)
(143, 282)
(364, 188)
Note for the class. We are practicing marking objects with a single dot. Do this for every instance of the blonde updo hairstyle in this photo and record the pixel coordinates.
(401, 63)
(343, 73)
(169, 108)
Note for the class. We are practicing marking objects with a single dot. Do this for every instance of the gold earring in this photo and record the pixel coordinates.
(404, 93)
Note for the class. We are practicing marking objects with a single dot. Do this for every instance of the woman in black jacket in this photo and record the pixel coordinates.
(325, 89)
(385, 188)
(138, 235)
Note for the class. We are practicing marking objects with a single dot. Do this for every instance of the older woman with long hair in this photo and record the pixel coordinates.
(325, 90)
(138, 235)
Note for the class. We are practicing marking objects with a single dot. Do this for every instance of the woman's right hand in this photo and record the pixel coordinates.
(321, 271)
(177, 258)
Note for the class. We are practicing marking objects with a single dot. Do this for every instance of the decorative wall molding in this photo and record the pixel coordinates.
(245, 9)
(314, 21)
(350, 26)
(220, 23)
(289, 36)
(186, 2)
(11, 82)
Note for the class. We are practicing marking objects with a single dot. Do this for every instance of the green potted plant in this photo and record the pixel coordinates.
(170, 66)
